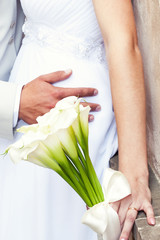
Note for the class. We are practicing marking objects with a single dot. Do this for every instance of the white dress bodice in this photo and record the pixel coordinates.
(73, 17)
(69, 26)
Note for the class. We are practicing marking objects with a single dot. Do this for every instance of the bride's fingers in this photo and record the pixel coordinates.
(115, 205)
(149, 213)
(122, 214)
(128, 224)
(123, 209)
(131, 217)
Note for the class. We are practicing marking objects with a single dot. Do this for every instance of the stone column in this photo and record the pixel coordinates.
(147, 15)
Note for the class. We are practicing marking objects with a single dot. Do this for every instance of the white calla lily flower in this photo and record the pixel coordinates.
(59, 141)
(68, 141)
(26, 144)
(84, 112)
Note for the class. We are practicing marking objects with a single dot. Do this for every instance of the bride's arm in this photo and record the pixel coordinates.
(117, 24)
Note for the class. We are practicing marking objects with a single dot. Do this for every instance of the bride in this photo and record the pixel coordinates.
(34, 202)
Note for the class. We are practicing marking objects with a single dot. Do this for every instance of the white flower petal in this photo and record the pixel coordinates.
(25, 129)
(55, 150)
(19, 154)
(84, 122)
(67, 140)
(49, 118)
(25, 145)
(65, 119)
(78, 131)
(42, 158)
(67, 102)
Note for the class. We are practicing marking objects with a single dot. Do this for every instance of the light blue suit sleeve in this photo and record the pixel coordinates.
(11, 22)
(7, 99)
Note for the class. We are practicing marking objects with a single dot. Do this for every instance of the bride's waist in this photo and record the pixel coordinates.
(47, 37)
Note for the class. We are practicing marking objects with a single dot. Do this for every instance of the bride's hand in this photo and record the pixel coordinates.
(127, 208)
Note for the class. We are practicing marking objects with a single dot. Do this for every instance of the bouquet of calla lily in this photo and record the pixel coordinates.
(59, 141)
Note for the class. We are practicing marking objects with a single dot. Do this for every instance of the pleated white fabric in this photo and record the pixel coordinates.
(35, 203)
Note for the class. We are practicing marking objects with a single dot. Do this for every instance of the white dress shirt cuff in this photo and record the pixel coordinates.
(16, 105)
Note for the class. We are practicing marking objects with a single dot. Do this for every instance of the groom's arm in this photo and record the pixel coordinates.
(7, 99)
(11, 22)
(37, 98)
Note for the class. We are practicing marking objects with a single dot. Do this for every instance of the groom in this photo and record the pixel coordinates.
(26, 102)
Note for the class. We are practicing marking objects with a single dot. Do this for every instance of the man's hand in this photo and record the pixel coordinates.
(39, 95)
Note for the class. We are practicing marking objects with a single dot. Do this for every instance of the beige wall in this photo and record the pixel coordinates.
(147, 14)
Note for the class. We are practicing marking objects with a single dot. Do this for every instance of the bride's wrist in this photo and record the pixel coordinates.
(136, 176)
(138, 180)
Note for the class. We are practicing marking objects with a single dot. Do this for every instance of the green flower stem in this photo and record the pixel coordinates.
(81, 157)
(94, 179)
(76, 173)
(76, 186)
(64, 170)
(91, 175)
(88, 185)
(72, 181)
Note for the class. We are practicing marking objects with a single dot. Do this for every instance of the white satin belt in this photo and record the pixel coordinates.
(102, 218)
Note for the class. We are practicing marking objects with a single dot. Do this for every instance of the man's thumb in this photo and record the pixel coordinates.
(56, 76)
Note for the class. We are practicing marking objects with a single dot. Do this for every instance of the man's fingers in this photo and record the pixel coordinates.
(78, 92)
(94, 107)
(128, 224)
(56, 76)
(90, 118)
(65, 92)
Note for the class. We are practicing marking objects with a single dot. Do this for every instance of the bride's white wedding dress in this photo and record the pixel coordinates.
(35, 203)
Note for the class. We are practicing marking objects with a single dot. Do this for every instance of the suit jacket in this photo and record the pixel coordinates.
(11, 22)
